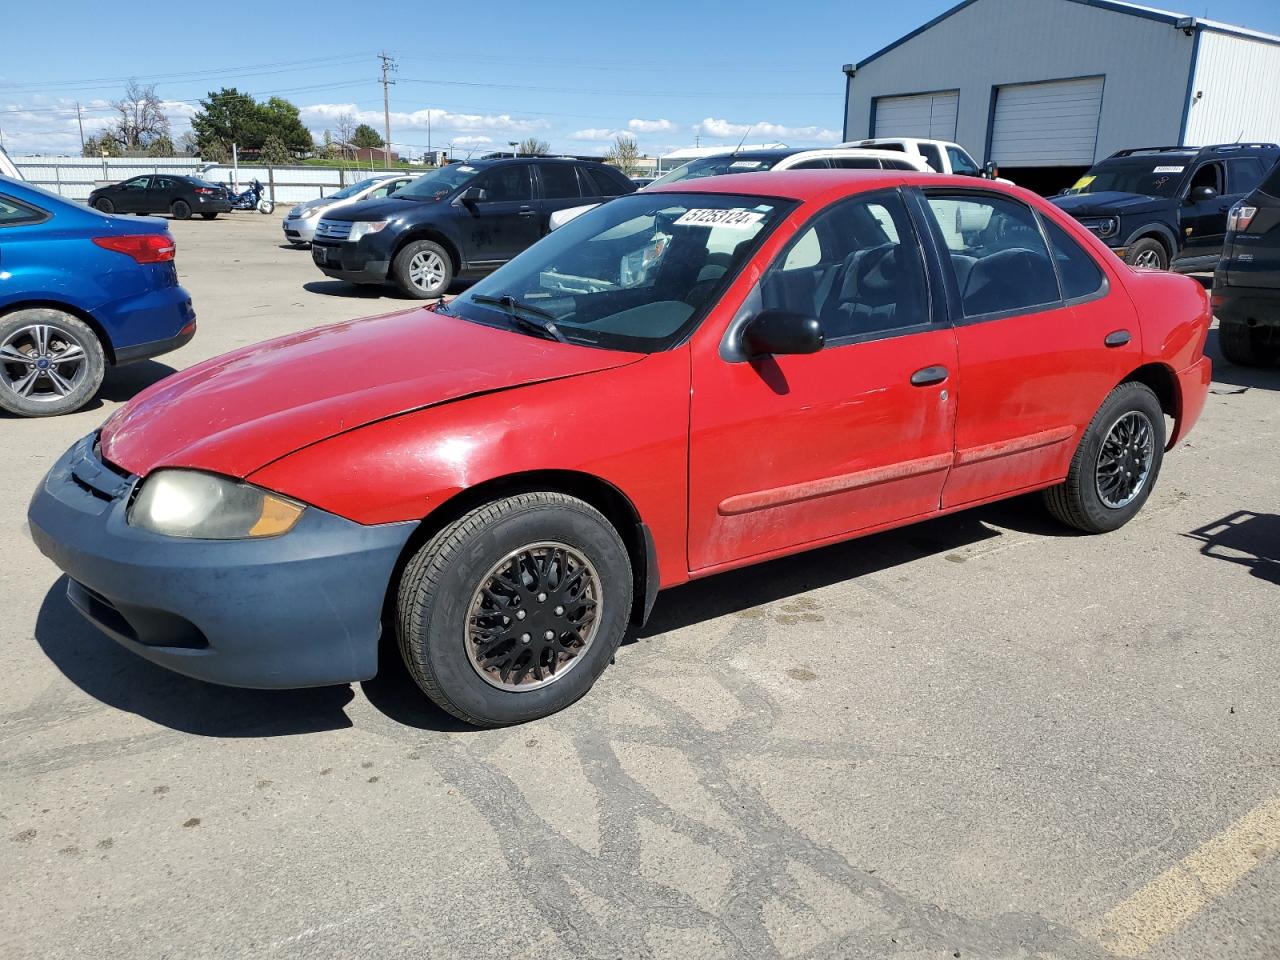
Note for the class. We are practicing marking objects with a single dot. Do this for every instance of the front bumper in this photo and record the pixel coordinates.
(303, 609)
(346, 261)
(300, 230)
(1256, 306)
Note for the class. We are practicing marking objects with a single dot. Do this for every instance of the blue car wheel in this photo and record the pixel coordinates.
(50, 362)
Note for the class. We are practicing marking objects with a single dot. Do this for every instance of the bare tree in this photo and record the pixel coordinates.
(533, 147)
(187, 144)
(624, 154)
(140, 118)
(345, 124)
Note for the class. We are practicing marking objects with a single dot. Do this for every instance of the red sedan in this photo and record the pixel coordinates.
(677, 383)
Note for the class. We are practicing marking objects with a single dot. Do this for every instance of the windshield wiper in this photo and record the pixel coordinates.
(532, 318)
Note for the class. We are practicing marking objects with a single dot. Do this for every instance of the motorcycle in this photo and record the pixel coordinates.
(250, 199)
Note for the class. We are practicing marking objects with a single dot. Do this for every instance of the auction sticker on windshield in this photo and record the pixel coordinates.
(1168, 169)
(733, 219)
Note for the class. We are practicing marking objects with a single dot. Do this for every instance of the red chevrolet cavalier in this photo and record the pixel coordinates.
(677, 383)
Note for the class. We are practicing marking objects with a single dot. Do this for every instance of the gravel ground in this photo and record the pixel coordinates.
(977, 737)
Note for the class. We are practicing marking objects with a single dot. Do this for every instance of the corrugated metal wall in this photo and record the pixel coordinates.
(1240, 82)
(75, 177)
(993, 43)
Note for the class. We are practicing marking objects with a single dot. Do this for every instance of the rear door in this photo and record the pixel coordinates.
(504, 222)
(162, 192)
(560, 190)
(792, 450)
(1034, 312)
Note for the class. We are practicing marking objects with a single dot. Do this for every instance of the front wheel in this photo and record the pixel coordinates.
(1147, 254)
(181, 210)
(1115, 465)
(1249, 346)
(50, 362)
(511, 612)
(103, 205)
(423, 270)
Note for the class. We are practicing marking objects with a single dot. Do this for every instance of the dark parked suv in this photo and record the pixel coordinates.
(1246, 286)
(466, 218)
(1163, 207)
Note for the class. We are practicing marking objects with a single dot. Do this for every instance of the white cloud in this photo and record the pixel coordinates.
(471, 141)
(763, 130)
(651, 126)
(321, 115)
(597, 133)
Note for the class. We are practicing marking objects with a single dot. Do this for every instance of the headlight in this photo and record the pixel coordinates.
(362, 227)
(1102, 226)
(187, 503)
(295, 212)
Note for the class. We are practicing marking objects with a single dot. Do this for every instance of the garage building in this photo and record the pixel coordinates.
(1046, 87)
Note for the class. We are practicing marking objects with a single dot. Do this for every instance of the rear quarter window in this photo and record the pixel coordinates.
(14, 213)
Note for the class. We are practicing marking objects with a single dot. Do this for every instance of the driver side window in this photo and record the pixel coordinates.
(1210, 175)
(137, 183)
(507, 184)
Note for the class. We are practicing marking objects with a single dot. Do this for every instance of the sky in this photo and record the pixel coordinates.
(478, 74)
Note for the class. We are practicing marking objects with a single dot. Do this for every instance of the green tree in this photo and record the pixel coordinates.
(94, 147)
(327, 148)
(533, 147)
(365, 137)
(160, 147)
(228, 116)
(624, 154)
(280, 117)
(274, 152)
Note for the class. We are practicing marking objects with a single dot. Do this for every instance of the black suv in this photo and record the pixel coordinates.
(466, 218)
(1246, 285)
(1163, 207)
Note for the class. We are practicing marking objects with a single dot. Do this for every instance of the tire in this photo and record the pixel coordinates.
(430, 262)
(21, 335)
(181, 210)
(266, 206)
(210, 216)
(103, 205)
(1079, 501)
(440, 601)
(1147, 252)
(1248, 346)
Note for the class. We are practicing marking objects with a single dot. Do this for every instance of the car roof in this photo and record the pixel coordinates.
(819, 184)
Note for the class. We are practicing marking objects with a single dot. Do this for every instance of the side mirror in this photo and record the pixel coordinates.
(474, 195)
(1201, 194)
(991, 170)
(781, 331)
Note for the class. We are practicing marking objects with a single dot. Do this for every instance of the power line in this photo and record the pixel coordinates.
(264, 69)
(700, 95)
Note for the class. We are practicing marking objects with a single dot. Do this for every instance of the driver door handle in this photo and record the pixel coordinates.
(928, 376)
(1117, 338)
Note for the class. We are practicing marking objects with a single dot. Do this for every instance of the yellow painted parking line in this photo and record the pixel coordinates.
(1210, 871)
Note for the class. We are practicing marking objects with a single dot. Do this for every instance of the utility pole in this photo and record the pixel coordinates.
(388, 64)
(80, 121)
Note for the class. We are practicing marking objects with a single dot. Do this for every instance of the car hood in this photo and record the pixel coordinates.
(1108, 203)
(236, 413)
(384, 208)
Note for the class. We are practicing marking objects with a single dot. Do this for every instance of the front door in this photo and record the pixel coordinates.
(131, 196)
(794, 450)
(1040, 346)
(503, 222)
(1204, 222)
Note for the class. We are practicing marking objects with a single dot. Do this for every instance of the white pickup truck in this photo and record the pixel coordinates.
(942, 155)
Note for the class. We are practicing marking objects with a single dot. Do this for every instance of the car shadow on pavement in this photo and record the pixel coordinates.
(369, 291)
(1226, 373)
(114, 676)
(394, 693)
(763, 583)
(1246, 538)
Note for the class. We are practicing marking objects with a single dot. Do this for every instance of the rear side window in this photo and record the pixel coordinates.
(898, 165)
(812, 165)
(558, 181)
(606, 183)
(1244, 174)
(858, 163)
(998, 254)
(13, 213)
(1080, 274)
(932, 156)
(1271, 185)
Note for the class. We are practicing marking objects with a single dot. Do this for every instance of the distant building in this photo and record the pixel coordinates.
(373, 155)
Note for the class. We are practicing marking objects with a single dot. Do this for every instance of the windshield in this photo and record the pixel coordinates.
(355, 188)
(636, 273)
(715, 167)
(438, 183)
(1151, 176)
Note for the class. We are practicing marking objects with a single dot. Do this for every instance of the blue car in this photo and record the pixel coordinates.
(79, 290)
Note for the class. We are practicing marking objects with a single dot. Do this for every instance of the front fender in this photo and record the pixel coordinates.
(627, 426)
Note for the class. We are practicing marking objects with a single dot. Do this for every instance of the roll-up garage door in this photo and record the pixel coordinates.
(1051, 124)
(931, 116)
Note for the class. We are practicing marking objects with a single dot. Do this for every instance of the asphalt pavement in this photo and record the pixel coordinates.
(981, 737)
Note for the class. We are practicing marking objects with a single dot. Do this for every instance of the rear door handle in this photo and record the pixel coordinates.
(1118, 338)
(927, 376)
(526, 211)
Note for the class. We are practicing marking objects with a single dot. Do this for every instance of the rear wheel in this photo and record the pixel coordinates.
(210, 216)
(50, 362)
(1147, 253)
(1249, 346)
(510, 613)
(423, 269)
(181, 210)
(103, 205)
(1115, 465)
